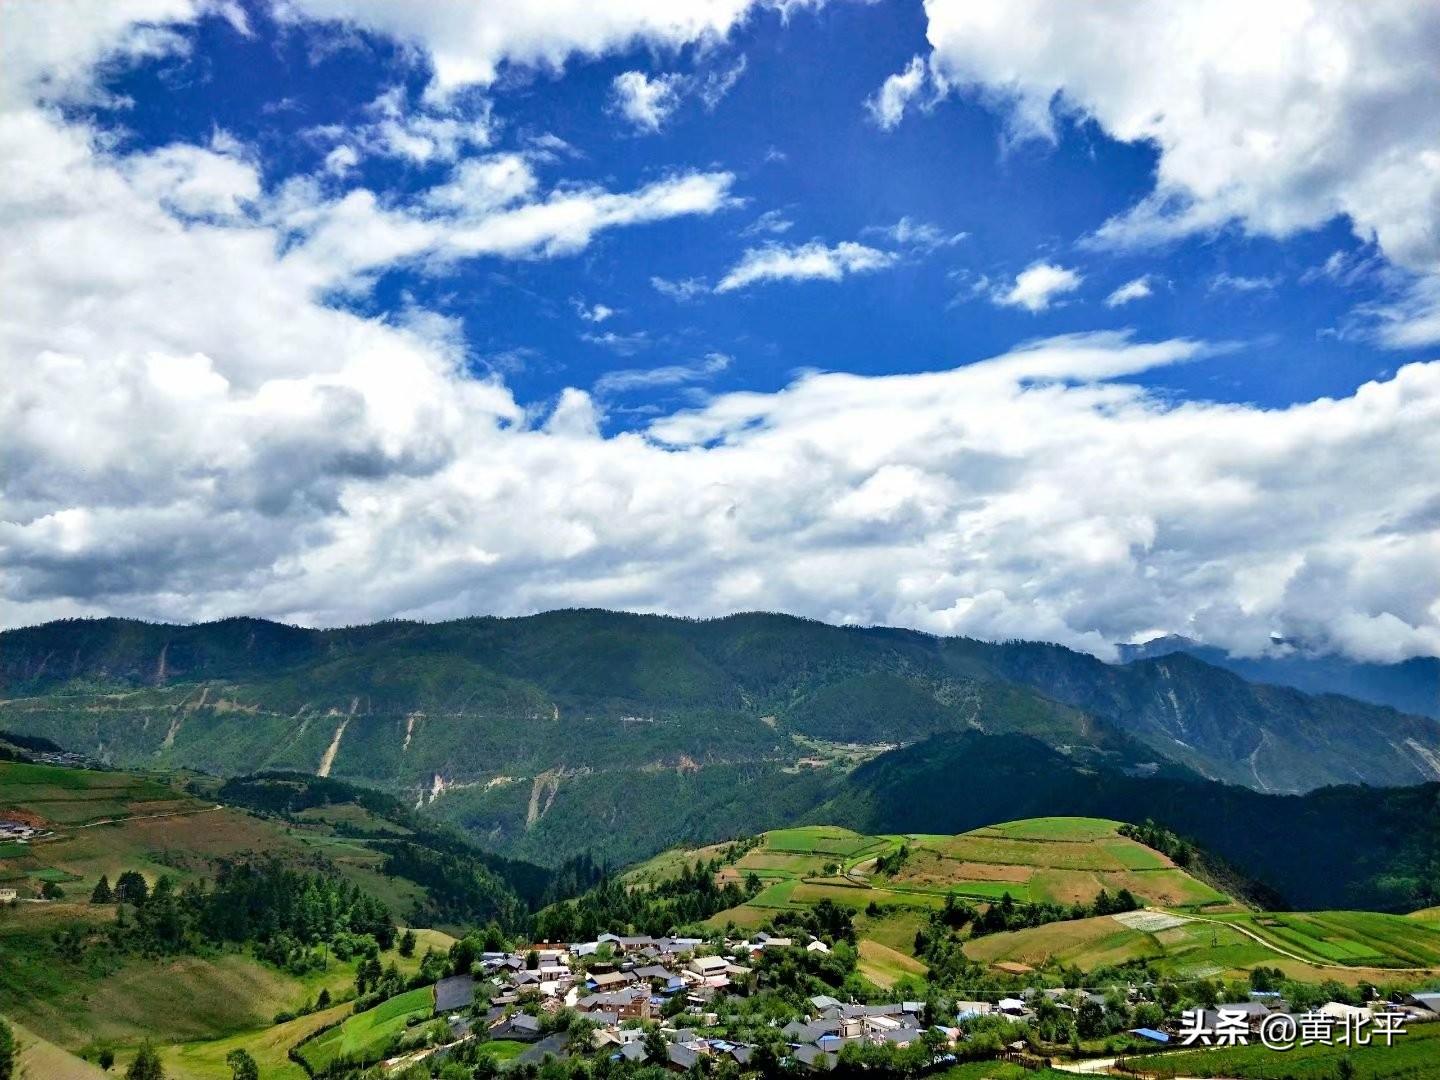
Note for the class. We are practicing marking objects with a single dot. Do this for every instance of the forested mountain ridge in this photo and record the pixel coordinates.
(1411, 686)
(1337, 847)
(419, 708)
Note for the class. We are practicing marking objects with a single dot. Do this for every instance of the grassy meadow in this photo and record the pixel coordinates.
(365, 1036)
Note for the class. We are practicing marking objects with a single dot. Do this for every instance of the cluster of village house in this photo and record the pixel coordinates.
(638, 979)
(18, 830)
(12, 831)
(614, 981)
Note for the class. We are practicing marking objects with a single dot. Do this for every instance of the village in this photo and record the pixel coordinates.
(661, 1001)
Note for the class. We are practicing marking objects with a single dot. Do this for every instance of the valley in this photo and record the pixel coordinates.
(1003, 909)
(942, 820)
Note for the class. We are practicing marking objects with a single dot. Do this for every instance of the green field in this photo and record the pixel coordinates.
(1063, 860)
(364, 1037)
(1188, 950)
(182, 999)
(820, 840)
(158, 830)
(1349, 938)
(1202, 948)
(270, 1047)
(996, 1070)
(74, 796)
(1414, 1056)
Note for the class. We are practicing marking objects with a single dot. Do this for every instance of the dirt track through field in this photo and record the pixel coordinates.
(1295, 956)
(150, 817)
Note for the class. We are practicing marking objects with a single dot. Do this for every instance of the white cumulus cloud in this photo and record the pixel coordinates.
(188, 429)
(469, 42)
(1036, 287)
(887, 107)
(803, 262)
(1136, 289)
(646, 101)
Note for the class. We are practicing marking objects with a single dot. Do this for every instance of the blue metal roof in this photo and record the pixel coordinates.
(1151, 1034)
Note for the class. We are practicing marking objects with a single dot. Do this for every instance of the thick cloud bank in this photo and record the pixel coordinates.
(188, 430)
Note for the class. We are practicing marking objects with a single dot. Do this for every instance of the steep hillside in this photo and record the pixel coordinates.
(1057, 860)
(1339, 847)
(1411, 686)
(95, 823)
(1270, 738)
(527, 707)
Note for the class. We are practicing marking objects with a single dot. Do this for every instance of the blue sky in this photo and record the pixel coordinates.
(1015, 320)
(794, 131)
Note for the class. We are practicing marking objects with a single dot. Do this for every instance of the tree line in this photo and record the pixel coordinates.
(283, 912)
(689, 898)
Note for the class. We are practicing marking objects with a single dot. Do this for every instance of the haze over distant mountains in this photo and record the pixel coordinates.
(1411, 686)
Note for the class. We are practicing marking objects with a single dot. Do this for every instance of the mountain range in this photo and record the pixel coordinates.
(1410, 686)
(617, 734)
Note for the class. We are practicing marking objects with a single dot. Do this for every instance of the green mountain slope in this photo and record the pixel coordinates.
(1339, 847)
(1411, 686)
(613, 735)
(417, 707)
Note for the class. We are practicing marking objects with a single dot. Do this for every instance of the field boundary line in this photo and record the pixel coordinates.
(149, 817)
(1290, 955)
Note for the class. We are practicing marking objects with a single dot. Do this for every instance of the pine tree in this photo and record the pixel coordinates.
(102, 893)
(146, 1065)
(130, 888)
(407, 943)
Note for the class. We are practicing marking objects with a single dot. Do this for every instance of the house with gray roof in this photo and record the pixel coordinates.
(456, 992)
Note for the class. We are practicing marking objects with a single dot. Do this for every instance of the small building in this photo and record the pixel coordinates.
(1341, 1011)
(815, 1059)
(7, 895)
(682, 1058)
(454, 993)
(611, 980)
(1429, 1002)
(519, 1026)
(709, 966)
(968, 1010)
(633, 1051)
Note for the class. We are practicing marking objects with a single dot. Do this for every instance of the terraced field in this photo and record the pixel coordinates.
(1065, 860)
(105, 822)
(109, 822)
(1363, 944)
(1181, 949)
(1349, 938)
